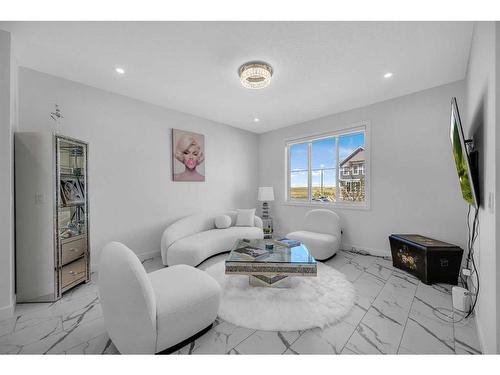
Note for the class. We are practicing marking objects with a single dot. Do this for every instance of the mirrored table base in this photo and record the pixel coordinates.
(275, 281)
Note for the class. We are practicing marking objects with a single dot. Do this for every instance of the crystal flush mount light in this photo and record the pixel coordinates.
(255, 75)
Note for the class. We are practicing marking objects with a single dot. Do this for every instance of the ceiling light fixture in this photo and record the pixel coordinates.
(256, 120)
(120, 70)
(388, 75)
(255, 75)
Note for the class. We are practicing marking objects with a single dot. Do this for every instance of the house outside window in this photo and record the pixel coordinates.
(328, 169)
(352, 186)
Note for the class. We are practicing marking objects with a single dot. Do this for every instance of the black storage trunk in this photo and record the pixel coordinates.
(430, 260)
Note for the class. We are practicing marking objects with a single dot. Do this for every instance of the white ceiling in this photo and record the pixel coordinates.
(320, 68)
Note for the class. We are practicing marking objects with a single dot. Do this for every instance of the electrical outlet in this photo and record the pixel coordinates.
(491, 202)
(466, 272)
(39, 198)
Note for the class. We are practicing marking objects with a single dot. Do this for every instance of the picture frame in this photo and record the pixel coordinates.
(188, 156)
(71, 192)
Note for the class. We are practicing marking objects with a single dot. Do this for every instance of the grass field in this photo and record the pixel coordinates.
(301, 192)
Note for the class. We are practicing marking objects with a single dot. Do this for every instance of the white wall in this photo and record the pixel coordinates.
(414, 185)
(7, 103)
(497, 178)
(480, 123)
(132, 195)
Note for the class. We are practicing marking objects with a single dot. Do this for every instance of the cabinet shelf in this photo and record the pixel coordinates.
(72, 238)
(72, 205)
(70, 175)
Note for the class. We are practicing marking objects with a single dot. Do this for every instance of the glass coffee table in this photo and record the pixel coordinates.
(270, 267)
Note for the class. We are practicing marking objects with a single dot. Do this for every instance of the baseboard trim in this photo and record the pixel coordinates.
(7, 311)
(371, 251)
(480, 336)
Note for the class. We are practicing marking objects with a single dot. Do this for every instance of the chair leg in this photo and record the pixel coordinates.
(187, 341)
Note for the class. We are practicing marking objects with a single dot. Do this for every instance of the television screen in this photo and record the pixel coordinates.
(461, 156)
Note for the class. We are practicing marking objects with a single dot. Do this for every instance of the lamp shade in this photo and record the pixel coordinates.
(266, 194)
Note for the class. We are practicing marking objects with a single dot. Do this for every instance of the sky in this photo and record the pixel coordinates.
(323, 156)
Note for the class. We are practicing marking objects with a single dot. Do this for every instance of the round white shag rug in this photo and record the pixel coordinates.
(309, 302)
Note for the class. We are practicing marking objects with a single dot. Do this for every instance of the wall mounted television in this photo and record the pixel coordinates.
(465, 161)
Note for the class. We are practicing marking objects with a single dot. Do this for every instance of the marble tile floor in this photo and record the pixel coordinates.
(394, 314)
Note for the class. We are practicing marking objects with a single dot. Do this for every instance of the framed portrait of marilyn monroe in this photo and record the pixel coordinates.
(188, 156)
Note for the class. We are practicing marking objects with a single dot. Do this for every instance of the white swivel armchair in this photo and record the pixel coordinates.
(321, 233)
(148, 313)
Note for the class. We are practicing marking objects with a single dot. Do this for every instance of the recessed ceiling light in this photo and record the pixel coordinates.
(388, 75)
(256, 120)
(120, 70)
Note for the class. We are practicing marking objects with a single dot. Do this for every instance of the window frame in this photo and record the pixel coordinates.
(363, 126)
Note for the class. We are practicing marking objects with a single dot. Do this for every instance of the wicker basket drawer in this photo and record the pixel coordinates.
(73, 272)
(73, 250)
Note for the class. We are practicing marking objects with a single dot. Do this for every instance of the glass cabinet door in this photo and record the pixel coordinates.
(72, 213)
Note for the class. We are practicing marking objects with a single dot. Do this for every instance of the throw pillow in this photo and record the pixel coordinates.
(245, 218)
(222, 222)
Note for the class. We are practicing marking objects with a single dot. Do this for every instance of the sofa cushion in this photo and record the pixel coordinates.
(245, 218)
(222, 221)
(187, 301)
(196, 248)
(320, 245)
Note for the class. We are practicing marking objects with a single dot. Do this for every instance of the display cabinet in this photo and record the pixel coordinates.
(52, 215)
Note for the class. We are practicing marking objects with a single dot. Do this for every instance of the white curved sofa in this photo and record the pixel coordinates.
(195, 238)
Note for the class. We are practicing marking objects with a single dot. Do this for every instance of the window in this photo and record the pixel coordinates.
(299, 167)
(328, 168)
